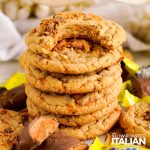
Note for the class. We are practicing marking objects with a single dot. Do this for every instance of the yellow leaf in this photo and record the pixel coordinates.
(97, 145)
(15, 80)
(129, 99)
(126, 85)
(130, 66)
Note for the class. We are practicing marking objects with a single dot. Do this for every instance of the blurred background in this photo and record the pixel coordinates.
(18, 16)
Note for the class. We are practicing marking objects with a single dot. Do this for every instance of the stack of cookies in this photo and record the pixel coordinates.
(73, 72)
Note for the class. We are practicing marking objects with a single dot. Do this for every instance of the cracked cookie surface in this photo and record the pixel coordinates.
(11, 125)
(35, 111)
(77, 104)
(75, 61)
(72, 84)
(136, 120)
(49, 32)
(93, 129)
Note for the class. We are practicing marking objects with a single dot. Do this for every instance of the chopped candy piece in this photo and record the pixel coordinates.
(14, 99)
(142, 87)
(62, 141)
(36, 132)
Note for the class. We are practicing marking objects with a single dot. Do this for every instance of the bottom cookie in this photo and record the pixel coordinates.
(93, 129)
(11, 124)
(35, 111)
(136, 120)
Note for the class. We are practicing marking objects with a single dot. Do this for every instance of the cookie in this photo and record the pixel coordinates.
(136, 120)
(79, 104)
(35, 111)
(72, 84)
(75, 61)
(11, 124)
(22, 60)
(51, 31)
(93, 129)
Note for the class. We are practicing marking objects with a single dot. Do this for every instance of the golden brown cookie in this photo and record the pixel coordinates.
(136, 120)
(22, 60)
(11, 124)
(75, 61)
(79, 104)
(35, 111)
(50, 32)
(72, 84)
(94, 129)
(75, 43)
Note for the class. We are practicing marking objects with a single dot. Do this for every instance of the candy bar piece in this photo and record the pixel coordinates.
(142, 87)
(14, 99)
(36, 132)
(61, 141)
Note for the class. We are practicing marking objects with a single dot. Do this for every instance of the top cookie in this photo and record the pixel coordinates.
(50, 32)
